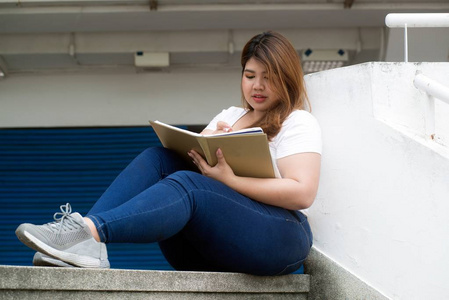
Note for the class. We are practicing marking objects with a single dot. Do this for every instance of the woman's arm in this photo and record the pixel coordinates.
(296, 190)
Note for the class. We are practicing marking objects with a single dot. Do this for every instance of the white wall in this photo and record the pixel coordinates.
(381, 210)
(182, 97)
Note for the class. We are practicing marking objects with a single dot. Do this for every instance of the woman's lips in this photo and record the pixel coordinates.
(259, 98)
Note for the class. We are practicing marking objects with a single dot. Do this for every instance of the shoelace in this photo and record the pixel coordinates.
(63, 219)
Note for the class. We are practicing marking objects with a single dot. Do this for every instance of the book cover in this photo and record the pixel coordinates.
(246, 151)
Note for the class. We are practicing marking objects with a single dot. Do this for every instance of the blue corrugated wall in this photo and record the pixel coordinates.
(40, 169)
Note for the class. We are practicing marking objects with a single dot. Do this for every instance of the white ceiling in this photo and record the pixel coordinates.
(81, 35)
(110, 15)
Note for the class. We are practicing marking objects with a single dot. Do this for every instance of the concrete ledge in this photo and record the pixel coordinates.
(331, 281)
(68, 283)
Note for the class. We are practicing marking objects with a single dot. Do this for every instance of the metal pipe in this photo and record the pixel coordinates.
(432, 87)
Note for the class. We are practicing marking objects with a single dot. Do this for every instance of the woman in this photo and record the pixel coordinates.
(211, 220)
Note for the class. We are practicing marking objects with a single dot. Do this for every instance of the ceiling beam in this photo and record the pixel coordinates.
(180, 41)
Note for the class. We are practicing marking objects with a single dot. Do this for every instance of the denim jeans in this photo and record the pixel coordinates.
(199, 223)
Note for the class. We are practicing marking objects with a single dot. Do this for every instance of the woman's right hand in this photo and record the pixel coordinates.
(222, 127)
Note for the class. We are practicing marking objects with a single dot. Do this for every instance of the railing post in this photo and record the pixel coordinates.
(429, 111)
(405, 43)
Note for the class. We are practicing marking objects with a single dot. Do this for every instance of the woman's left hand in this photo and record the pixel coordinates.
(221, 171)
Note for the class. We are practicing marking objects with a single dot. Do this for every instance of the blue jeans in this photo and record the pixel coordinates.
(200, 223)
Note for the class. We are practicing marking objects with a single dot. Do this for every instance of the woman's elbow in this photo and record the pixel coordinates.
(305, 200)
(303, 204)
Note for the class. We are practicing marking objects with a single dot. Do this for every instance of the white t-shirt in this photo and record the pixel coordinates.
(300, 133)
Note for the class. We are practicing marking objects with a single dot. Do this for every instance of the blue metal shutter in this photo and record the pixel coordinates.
(41, 169)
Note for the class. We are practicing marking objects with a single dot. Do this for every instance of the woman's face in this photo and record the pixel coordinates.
(256, 88)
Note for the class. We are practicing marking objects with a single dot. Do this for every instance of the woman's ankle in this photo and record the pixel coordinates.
(92, 228)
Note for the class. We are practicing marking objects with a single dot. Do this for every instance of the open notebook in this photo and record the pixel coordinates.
(246, 151)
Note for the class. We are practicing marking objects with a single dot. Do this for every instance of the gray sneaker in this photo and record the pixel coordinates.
(67, 239)
(42, 260)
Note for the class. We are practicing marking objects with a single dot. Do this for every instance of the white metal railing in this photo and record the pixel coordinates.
(435, 90)
(416, 20)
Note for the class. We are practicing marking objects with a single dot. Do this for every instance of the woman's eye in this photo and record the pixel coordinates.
(250, 76)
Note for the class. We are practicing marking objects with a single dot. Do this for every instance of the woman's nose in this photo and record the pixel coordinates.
(259, 84)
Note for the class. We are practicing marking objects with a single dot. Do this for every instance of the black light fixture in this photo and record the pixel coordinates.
(320, 60)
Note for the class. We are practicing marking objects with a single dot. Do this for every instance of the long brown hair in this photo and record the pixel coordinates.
(285, 76)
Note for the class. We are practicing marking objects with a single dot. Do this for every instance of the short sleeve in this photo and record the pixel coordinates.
(300, 133)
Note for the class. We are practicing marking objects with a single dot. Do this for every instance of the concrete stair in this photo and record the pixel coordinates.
(18, 282)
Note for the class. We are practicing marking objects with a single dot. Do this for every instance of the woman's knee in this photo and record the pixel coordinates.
(162, 155)
(164, 160)
(159, 151)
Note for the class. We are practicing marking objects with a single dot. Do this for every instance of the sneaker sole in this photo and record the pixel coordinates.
(43, 260)
(71, 258)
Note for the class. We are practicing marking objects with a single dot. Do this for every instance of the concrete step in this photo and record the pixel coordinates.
(18, 282)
